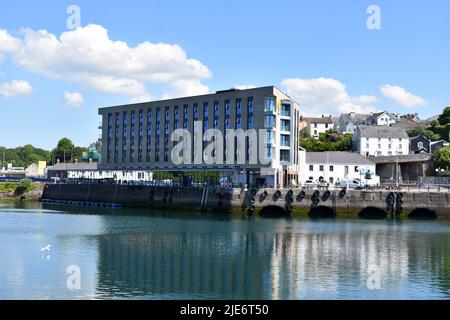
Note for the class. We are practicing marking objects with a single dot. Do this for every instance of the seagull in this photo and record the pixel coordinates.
(47, 248)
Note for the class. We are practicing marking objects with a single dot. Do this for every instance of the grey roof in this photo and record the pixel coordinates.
(73, 166)
(333, 157)
(407, 158)
(407, 124)
(351, 117)
(328, 120)
(382, 132)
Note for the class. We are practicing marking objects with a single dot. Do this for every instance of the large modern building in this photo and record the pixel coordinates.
(138, 136)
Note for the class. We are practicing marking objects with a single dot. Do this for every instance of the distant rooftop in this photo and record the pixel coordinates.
(73, 166)
(323, 119)
(337, 158)
(383, 132)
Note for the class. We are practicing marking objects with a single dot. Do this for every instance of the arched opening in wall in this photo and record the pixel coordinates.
(423, 213)
(322, 212)
(372, 213)
(273, 212)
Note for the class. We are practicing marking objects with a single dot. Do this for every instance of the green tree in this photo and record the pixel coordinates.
(444, 118)
(421, 131)
(66, 151)
(442, 158)
(329, 141)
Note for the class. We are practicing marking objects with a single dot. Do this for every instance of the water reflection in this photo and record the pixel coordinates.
(133, 255)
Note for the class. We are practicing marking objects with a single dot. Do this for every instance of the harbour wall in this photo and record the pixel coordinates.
(241, 200)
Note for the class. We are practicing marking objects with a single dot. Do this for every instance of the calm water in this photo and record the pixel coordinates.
(136, 254)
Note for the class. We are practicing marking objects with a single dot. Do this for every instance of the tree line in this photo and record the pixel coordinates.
(65, 151)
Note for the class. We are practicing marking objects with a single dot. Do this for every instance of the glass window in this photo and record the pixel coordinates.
(321, 168)
(285, 141)
(238, 106)
(331, 168)
(270, 105)
(285, 155)
(270, 122)
(227, 108)
(205, 109)
(250, 105)
(286, 110)
(269, 137)
(285, 125)
(311, 168)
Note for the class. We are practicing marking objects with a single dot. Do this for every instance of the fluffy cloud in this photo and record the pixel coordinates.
(7, 42)
(15, 88)
(89, 57)
(73, 99)
(401, 97)
(326, 96)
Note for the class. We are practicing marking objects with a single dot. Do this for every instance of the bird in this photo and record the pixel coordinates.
(46, 248)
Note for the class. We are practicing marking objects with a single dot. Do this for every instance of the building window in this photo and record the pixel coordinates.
(216, 109)
(285, 125)
(269, 137)
(270, 105)
(250, 105)
(331, 168)
(311, 168)
(356, 168)
(285, 141)
(285, 156)
(321, 168)
(270, 122)
(195, 111)
(286, 110)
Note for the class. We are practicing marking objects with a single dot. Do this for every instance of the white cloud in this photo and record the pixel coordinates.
(73, 99)
(401, 97)
(244, 86)
(7, 42)
(89, 57)
(15, 88)
(326, 96)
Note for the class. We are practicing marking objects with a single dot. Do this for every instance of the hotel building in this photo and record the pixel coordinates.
(138, 136)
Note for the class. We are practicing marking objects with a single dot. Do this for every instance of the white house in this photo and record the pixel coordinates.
(315, 126)
(381, 119)
(333, 167)
(380, 141)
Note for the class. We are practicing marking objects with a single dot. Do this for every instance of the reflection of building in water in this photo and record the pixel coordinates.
(314, 261)
(184, 265)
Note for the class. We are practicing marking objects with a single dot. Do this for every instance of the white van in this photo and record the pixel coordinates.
(351, 184)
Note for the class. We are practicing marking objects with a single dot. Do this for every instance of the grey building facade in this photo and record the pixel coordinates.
(138, 136)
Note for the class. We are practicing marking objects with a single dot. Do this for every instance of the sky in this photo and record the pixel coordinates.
(331, 56)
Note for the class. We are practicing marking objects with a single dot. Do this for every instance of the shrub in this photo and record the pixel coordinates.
(26, 185)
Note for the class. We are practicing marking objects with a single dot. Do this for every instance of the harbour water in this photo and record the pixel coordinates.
(140, 254)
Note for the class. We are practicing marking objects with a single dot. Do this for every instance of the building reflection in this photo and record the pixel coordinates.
(306, 263)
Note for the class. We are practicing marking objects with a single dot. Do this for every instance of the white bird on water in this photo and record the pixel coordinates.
(47, 248)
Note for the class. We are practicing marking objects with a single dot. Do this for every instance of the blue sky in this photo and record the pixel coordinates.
(320, 52)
